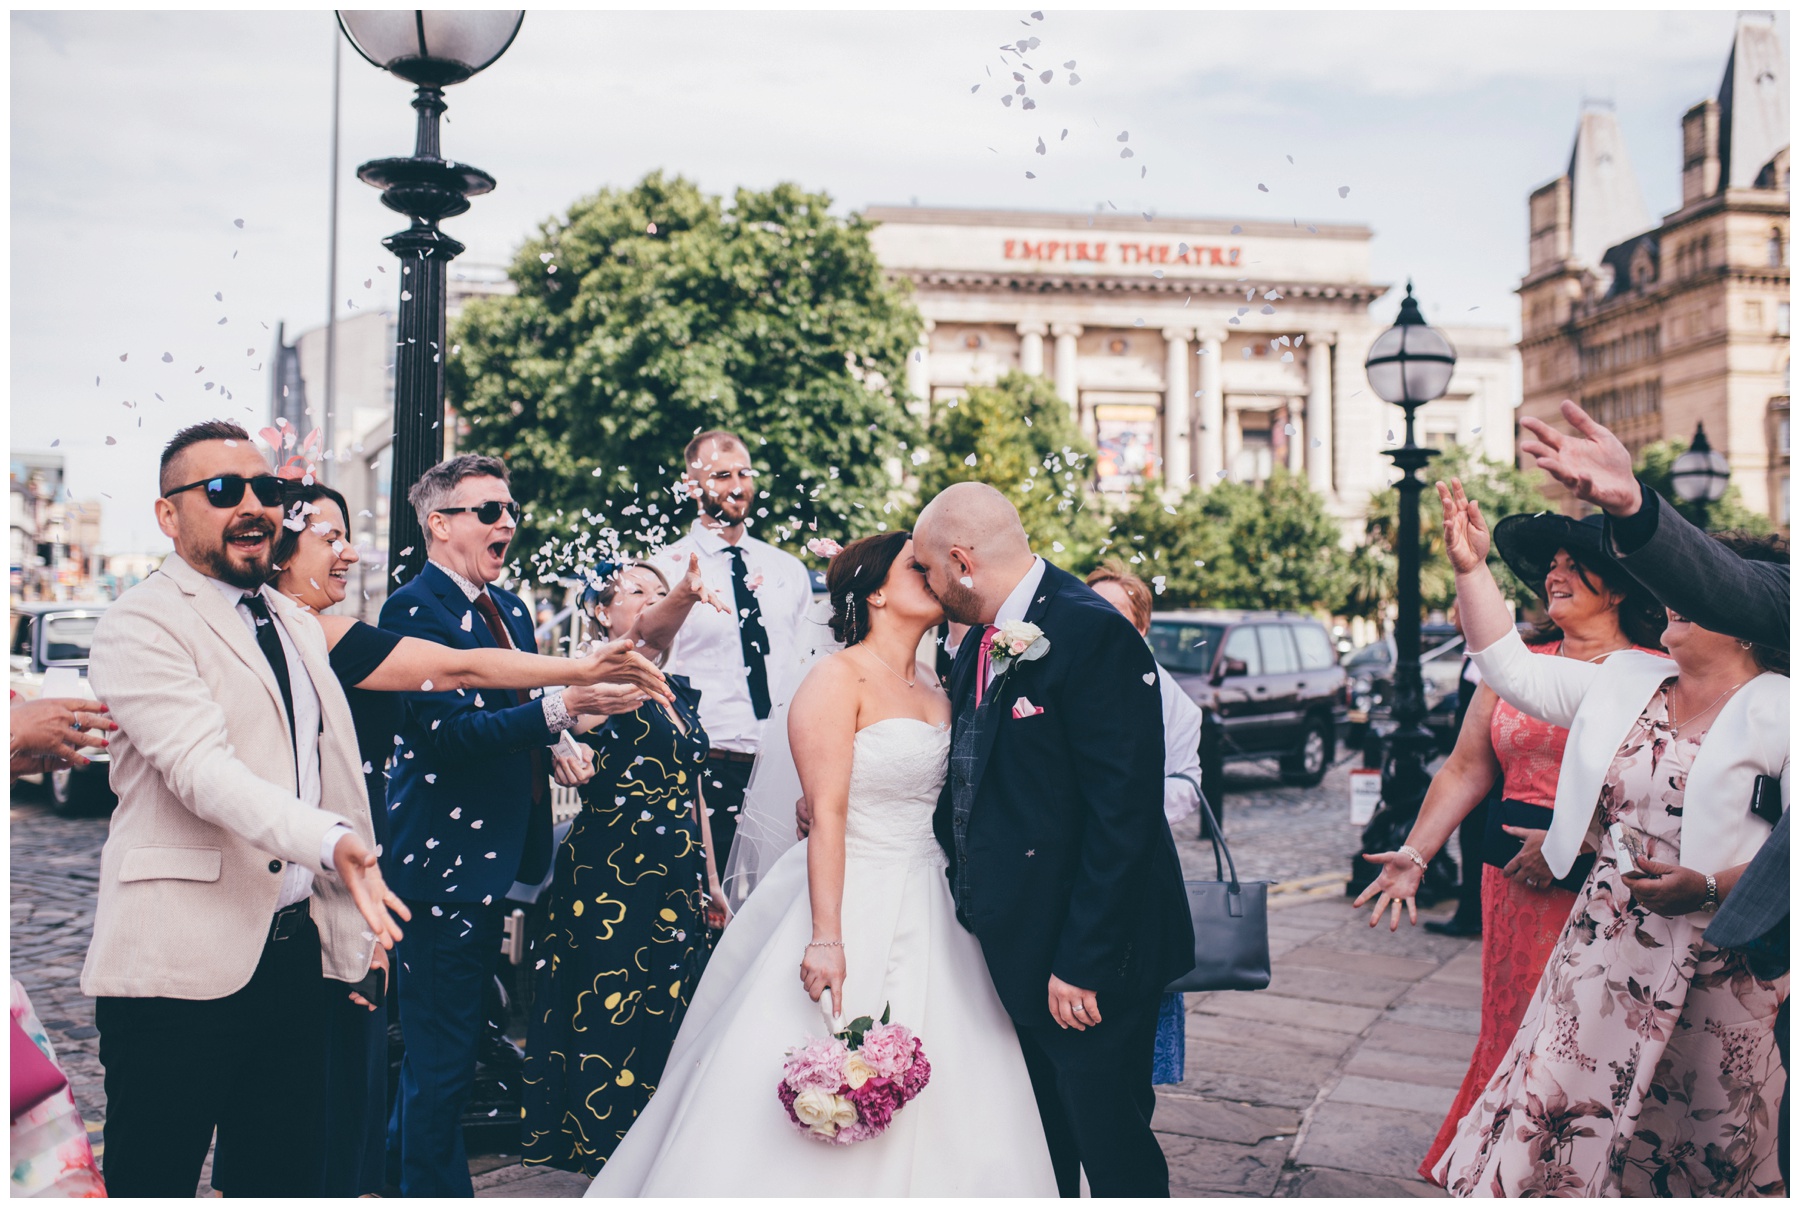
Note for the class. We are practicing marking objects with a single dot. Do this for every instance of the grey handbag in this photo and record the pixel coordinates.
(1231, 924)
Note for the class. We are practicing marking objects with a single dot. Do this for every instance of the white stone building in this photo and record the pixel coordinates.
(1190, 350)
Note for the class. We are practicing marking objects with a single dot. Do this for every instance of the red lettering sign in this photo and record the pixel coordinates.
(1129, 253)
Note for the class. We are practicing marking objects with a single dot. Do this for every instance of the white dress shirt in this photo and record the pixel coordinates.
(1181, 748)
(296, 879)
(556, 714)
(1019, 601)
(708, 650)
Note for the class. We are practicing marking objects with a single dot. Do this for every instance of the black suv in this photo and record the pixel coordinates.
(1268, 682)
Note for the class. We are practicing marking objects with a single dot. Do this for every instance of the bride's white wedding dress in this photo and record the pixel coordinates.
(715, 1127)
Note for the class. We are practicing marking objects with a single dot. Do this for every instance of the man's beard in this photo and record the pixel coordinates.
(960, 603)
(716, 507)
(217, 563)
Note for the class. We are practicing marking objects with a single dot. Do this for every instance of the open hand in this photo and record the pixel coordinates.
(618, 664)
(604, 700)
(361, 874)
(1071, 1006)
(1397, 883)
(1666, 889)
(1466, 540)
(1529, 866)
(49, 734)
(694, 586)
(1590, 462)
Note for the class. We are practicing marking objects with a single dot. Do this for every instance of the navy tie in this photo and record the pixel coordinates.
(752, 637)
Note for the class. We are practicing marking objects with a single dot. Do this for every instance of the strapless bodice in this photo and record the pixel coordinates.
(897, 769)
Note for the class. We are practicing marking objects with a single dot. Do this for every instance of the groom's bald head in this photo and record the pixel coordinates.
(974, 516)
(972, 548)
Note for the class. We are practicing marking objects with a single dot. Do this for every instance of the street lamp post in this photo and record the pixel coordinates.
(1701, 474)
(1409, 364)
(432, 50)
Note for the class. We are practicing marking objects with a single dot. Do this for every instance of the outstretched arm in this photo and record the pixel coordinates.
(658, 624)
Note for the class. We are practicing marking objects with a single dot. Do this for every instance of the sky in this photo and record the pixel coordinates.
(141, 140)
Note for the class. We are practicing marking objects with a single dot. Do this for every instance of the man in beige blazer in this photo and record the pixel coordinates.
(239, 872)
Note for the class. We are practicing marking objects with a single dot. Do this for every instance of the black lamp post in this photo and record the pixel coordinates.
(1409, 364)
(1701, 474)
(431, 50)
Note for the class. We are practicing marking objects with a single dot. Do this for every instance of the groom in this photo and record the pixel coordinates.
(1061, 863)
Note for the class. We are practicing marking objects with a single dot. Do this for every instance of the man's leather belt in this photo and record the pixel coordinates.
(730, 757)
(289, 920)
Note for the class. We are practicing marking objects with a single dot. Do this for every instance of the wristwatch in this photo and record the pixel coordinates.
(1712, 895)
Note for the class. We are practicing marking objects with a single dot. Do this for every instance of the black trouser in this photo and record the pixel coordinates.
(1781, 1046)
(723, 788)
(354, 1130)
(1094, 1094)
(251, 1065)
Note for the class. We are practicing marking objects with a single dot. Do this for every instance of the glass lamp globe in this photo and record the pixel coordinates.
(432, 48)
(1702, 473)
(1410, 363)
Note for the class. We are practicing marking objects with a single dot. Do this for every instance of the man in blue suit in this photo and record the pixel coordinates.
(468, 807)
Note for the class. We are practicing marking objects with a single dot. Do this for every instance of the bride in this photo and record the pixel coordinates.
(855, 919)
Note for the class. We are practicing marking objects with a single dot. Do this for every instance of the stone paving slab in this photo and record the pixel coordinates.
(1371, 1140)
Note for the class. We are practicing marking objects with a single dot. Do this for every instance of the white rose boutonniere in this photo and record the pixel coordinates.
(1016, 642)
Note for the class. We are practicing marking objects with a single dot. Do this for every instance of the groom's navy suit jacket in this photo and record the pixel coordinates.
(1070, 866)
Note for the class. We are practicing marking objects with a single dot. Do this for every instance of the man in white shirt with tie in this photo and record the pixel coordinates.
(242, 819)
(740, 651)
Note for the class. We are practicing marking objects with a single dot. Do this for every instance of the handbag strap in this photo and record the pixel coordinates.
(1212, 828)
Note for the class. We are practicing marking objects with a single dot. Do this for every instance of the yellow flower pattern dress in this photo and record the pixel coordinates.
(622, 941)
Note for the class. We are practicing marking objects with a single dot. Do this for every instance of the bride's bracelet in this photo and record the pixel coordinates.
(825, 944)
(1407, 850)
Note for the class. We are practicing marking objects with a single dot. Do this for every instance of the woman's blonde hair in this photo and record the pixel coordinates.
(1137, 592)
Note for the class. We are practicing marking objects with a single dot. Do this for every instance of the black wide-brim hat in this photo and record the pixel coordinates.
(1528, 545)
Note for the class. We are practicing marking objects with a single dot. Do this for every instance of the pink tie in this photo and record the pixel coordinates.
(984, 656)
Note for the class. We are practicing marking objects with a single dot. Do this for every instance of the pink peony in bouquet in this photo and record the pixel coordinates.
(845, 1088)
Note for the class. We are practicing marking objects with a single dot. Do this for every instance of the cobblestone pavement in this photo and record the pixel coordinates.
(1290, 1091)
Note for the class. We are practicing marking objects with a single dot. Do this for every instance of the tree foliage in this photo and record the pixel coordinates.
(1656, 467)
(1018, 437)
(646, 314)
(1500, 489)
(1239, 545)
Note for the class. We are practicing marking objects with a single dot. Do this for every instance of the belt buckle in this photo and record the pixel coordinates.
(287, 921)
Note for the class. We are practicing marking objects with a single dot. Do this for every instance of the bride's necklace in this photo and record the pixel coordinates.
(1675, 728)
(890, 670)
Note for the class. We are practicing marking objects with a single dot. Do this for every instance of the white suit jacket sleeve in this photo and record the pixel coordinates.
(150, 683)
(1181, 749)
(1547, 688)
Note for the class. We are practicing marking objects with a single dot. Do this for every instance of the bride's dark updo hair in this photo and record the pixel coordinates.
(857, 572)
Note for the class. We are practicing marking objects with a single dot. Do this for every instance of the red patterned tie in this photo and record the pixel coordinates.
(490, 612)
(984, 657)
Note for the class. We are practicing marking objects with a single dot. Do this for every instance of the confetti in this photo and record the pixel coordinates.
(1343, 190)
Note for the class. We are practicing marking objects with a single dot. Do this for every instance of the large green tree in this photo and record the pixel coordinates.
(1656, 467)
(1500, 489)
(1238, 545)
(646, 314)
(1018, 437)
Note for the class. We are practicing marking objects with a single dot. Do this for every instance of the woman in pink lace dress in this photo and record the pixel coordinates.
(1596, 609)
(1646, 1062)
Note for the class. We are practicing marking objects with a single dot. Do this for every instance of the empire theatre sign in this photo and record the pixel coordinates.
(1121, 252)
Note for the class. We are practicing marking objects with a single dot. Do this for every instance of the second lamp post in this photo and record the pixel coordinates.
(1409, 364)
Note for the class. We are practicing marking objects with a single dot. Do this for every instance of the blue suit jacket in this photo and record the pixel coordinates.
(459, 801)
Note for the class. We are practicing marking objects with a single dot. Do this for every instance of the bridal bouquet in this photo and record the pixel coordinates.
(845, 1088)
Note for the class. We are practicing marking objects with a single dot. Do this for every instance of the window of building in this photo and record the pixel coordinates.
(1781, 318)
(1781, 501)
(1777, 249)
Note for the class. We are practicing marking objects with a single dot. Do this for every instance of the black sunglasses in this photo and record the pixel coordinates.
(227, 490)
(487, 513)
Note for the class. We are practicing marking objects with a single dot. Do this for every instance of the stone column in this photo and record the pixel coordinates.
(1178, 427)
(1296, 444)
(1209, 456)
(1066, 389)
(1031, 348)
(1233, 442)
(918, 372)
(1318, 411)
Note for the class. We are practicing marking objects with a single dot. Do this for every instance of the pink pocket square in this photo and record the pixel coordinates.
(1024, 708)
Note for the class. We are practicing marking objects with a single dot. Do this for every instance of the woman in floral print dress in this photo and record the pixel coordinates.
(1646, 1062)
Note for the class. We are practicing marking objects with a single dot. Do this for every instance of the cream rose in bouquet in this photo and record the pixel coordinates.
(845, 1088)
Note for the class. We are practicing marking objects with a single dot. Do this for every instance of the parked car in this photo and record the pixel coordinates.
(1371, 685)
(1268, 682)
(50, 634)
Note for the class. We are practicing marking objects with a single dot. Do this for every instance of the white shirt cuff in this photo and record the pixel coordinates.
(556, 714)
(330, 843)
